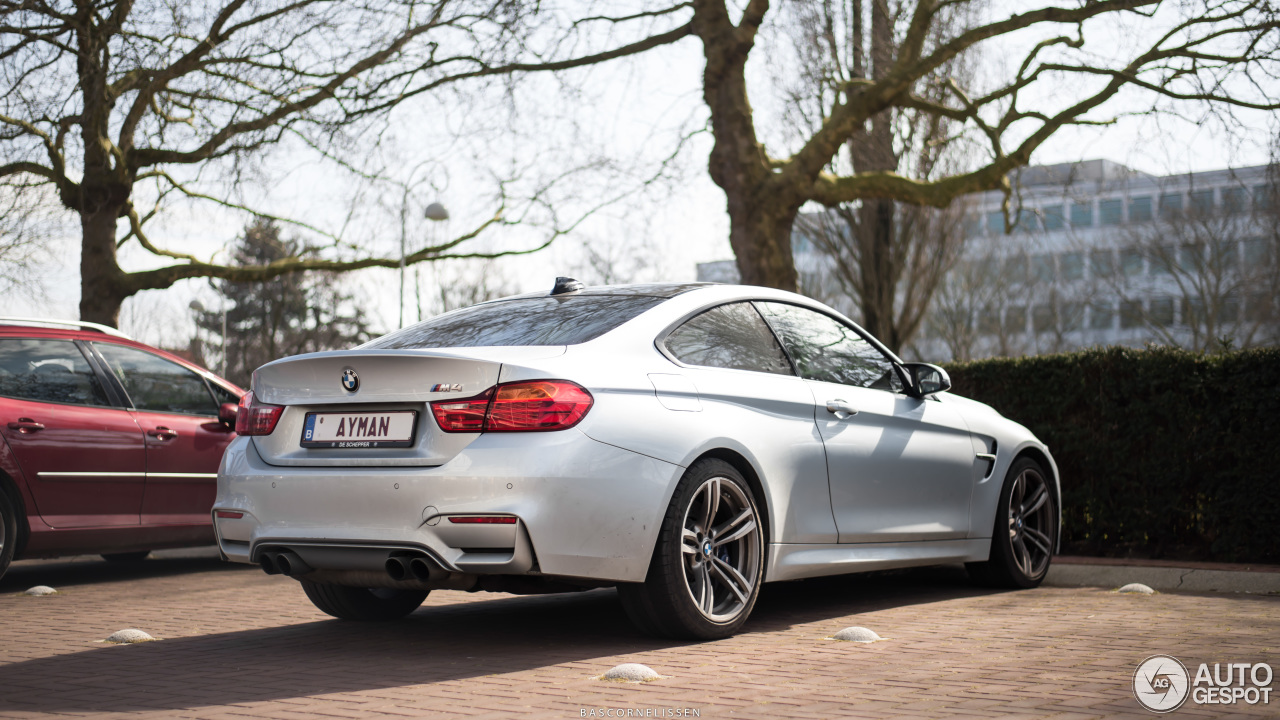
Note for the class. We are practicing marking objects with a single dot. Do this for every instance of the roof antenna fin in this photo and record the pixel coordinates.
(565, 285)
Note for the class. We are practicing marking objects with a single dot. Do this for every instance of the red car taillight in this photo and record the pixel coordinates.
(256, 418)
(516, 407)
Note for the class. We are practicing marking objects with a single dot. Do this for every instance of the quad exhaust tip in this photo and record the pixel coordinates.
(284, 563)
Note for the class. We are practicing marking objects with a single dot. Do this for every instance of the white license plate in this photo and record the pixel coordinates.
(359, 429)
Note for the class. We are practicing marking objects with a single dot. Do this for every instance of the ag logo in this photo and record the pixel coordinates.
(350, 380)
(1161, 683)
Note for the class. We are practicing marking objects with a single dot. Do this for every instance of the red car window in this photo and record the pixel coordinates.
(47, 371)
(154, 383)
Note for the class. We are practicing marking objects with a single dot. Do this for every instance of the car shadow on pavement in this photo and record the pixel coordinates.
(436, 644)
(91, 571)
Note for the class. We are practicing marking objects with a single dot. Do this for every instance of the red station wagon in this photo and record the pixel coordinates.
(109, 446)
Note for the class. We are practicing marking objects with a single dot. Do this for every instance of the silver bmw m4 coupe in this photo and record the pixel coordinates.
(685, 443)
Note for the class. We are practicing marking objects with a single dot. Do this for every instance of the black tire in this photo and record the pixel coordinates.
(126, 557)
(8, 532)
(1025, 532)
(704, 589)
(369, 604)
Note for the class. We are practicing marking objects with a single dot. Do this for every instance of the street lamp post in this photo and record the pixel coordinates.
(199, 307)
(435, 212)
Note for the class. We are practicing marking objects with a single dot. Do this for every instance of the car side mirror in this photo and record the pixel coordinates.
(926, 379)
(227, 413)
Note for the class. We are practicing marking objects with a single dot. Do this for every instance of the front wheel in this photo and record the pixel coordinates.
(351, 603)
(1026, 525)
(707, 567)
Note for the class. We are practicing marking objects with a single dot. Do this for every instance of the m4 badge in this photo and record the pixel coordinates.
(447, 387)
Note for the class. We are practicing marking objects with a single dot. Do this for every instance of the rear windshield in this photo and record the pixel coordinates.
(565, 320)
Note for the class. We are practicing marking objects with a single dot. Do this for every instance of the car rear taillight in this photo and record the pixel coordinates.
(465, 415)
(256, 418)
(539, 405)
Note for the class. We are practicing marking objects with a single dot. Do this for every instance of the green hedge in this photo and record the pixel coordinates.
(1163, 453)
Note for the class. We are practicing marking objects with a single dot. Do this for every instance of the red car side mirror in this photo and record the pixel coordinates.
(227, 413)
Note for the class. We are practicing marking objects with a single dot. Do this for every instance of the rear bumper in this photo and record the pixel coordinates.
(583, 508)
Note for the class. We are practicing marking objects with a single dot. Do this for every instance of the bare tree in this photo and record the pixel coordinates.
(980, 307)
(26, 229)
(888, 257)
(1210, 276)
(1222, 52)
(97, 97)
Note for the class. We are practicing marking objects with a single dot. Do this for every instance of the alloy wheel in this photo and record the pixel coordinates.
(720, 549)
(1031, 519)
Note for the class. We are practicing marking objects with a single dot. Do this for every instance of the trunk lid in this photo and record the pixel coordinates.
(384, 381)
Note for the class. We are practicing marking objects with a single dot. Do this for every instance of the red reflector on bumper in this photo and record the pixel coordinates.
(229, 514)
(483, 520)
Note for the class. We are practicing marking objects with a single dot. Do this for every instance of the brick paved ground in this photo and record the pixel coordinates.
(236, 643)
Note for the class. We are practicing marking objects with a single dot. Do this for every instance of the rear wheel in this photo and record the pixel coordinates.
(8, 532)
(126, 557)
(350, 603)
(706, 570)
(1023, 537)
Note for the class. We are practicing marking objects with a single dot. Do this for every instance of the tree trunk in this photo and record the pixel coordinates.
(875, 234)
(760, 234)
(760, 206)
(102, 289)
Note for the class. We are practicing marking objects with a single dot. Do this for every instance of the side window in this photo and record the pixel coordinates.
(48, 371)
(154, 383)
(729, 336)
(826, 349)
(222, 395)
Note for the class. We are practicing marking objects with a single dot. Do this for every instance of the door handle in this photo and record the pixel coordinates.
(841, 409)
(26, 425)
(163, 433)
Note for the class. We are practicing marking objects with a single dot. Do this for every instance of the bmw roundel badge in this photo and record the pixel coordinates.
(350, 380)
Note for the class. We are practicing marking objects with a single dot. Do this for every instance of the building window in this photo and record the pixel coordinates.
(1015, 269)
(1201, 201)
(1260, 308)
(989, 321)
(1264, 197)
(1226, 255)
(1255, 252)
(1042, 268)
(1131, 262)
(1192, 311)
(1053, 218)
(1015, 320)
(1162, 311)
(1102, 316)
(1042, 320)
(1110, 212)
(1072, 266)
(1026, 221)
(1140, 209)
(1082, 214)
(1229, 310)
(995, 222)
(1234, 199)
(1164, 260)
(1102, 263)
(1170, 205)
(1130, 314)
(1190, 257)
(1071, 316)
